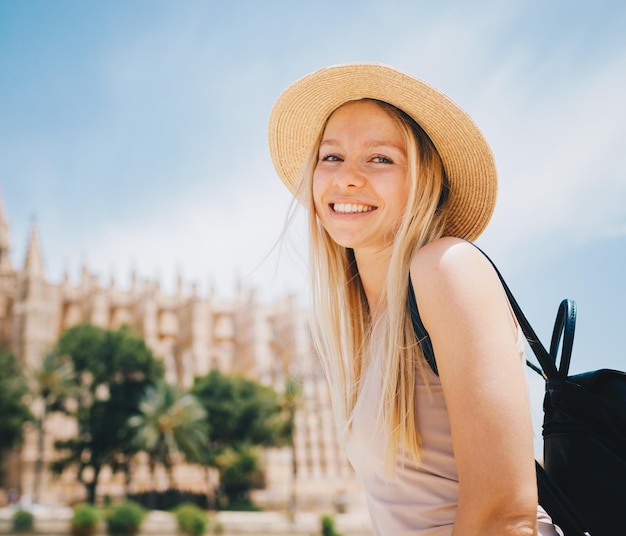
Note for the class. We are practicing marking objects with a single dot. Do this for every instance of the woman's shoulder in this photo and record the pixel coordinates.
(451, 272)
(453, 279)
(448, 257)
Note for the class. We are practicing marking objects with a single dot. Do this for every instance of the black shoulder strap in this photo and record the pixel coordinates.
(546, 359)
(423, 338)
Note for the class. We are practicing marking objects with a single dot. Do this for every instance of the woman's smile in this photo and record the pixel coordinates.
(351, 208)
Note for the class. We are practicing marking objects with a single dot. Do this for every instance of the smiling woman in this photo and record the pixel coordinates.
(396, 179)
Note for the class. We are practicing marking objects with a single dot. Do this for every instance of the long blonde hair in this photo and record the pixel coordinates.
(342, 328)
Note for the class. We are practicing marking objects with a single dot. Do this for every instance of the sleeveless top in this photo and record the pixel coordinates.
(419, 500)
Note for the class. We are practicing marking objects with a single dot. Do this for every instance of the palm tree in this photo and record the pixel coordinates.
(52, 383)
(171, 423)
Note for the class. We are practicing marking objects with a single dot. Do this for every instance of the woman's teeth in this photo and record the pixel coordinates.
(348, 208)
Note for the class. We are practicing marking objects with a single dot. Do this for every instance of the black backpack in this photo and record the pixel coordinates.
(582, 485)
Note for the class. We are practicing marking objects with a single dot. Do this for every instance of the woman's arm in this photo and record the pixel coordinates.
(474, 336)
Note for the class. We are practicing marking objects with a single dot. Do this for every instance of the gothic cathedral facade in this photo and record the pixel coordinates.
(192, 334)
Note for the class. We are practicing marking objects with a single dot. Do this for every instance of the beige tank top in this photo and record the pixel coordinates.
(420, 500)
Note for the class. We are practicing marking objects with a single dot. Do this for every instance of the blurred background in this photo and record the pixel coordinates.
(133, 136)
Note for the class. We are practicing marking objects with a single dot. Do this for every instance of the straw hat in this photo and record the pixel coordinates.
(301, 112)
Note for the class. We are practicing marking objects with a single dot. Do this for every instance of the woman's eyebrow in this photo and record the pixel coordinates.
(372, 143)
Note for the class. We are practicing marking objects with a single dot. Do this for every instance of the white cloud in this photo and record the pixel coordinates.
(211, 239)
(561, 159)
(209, 201)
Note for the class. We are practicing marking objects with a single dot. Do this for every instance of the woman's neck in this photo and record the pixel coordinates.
(373, 268)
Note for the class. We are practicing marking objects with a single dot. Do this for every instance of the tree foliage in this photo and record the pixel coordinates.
(292, 400)
(241, 413)
(14, 410)
(112, 369)
(52, 383)
(240, 471)
(171, 423)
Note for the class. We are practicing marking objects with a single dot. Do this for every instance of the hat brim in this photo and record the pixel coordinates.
(302, 109)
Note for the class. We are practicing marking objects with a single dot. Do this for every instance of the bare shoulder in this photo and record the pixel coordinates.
(451, 260)
(453, 279)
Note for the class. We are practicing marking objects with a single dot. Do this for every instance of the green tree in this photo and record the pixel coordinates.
(170, 422)
(241, 413)
(14, 410)
(112, 369)
(52, 383)
(240, 471)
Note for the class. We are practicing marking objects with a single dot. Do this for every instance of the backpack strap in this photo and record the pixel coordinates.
(564, 326)
(423, 338)
(547, 360)
(558, 506)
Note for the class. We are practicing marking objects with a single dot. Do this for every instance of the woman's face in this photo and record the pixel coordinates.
(360, 182)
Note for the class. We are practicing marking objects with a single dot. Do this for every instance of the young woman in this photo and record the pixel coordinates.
(397, 179)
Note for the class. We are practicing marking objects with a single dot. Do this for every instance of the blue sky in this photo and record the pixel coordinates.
(135, 133)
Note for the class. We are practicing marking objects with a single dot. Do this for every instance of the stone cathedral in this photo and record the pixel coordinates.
(191, 333)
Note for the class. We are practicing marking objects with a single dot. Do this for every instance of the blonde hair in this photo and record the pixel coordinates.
(342, 327)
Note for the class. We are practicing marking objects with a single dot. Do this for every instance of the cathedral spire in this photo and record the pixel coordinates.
(33, 265)
(5, 260)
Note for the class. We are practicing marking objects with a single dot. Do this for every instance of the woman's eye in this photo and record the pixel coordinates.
(382, 160)
(330, 158)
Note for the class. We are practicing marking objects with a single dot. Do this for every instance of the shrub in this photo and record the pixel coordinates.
(125, 519)
(192, 520)
(243, 504)
(22, 521)
(85, 520)
(217, 528)
(328, 526)
(169, 499)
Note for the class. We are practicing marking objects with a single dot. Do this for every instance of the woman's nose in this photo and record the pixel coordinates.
(349, 175)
